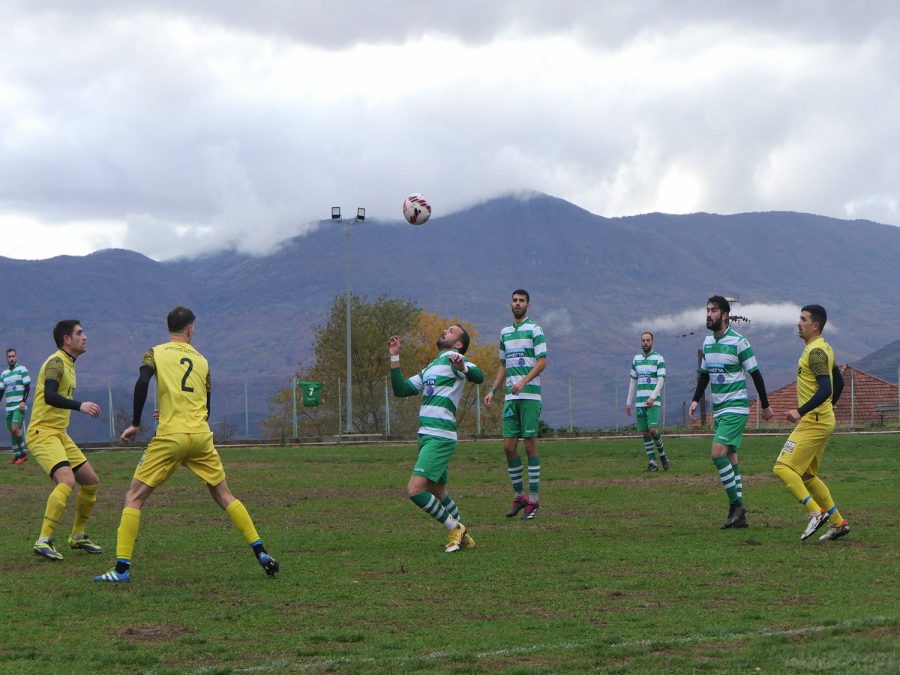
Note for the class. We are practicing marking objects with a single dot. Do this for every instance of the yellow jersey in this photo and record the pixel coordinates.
(59, 366)
(817, 359)
(182, 385)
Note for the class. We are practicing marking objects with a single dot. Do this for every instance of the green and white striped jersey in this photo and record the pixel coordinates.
(521, 345)
(647, 370)
(441, 387)
(725, 360)
(13, 382)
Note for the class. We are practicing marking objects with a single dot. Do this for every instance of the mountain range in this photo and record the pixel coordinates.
(595, 283)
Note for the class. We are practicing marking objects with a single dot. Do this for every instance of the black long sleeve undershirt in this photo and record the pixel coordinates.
(140, 394)
(57, 400)
(702, 381)
(760, 388)
(837, 384)
(823, 392)
(25, 392)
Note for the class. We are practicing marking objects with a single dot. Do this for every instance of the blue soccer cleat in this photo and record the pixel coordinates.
(269, 564)
(115, 577)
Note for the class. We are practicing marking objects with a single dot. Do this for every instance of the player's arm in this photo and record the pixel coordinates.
(632, 390)
(702, 381)
(145, 374)
(818, 364)
(660, 383)
(472, 372)
(760, 385)
(499, 379)
(837, 384)
(26, 391)
(401, 386)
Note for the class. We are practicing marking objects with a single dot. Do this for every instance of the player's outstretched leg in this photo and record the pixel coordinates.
(240, 518)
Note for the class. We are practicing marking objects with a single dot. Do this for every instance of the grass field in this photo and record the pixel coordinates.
(621, 571)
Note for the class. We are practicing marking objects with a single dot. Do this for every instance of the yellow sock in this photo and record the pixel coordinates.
(794, 483)
(84, 505)
(822, 494)
(127, 533)
(56, 505)
(242, 521)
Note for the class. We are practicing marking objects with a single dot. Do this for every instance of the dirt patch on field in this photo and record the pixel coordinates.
(151, 632)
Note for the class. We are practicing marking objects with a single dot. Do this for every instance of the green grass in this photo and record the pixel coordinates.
(620, 572)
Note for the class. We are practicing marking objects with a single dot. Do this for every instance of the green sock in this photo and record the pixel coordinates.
(534, 478)
(648, 448)
(450, 506)
(514, 468)
(726, 475)
(430, 505)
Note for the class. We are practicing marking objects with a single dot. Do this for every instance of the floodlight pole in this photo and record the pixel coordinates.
(348, 223)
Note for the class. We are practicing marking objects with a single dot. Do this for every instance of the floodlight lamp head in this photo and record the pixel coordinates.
(360, 214)
(335, 212)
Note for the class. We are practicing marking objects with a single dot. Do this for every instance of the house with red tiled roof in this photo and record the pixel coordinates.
(865, 399)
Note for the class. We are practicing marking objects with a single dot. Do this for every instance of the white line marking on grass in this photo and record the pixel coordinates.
(281, 664)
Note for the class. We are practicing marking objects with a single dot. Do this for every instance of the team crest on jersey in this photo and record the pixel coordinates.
(649, 380)
(789, 447)
(429, 387)
(720, 378)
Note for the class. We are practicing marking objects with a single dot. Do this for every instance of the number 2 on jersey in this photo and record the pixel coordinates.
(190, 367)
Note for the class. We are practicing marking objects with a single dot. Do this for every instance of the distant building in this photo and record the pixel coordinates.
(865, 399)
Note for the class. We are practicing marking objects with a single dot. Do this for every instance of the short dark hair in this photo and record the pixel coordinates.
(179, 319)
(721, 303)
(64, 328)
(522, 291)
(818, 314)
(464, 338)
(647, 332)
(11, 349)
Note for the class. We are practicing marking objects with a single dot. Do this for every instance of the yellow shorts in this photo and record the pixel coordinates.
(53, 448)
(805, 446)
(166, 453)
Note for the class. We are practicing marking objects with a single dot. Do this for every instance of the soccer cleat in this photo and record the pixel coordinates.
(467, 541)
(115, 577)
(740, 521)
(736, 513)
(20, 459)
(816, 520)
(455, 538)
(269, 564)
(518, 504)
(530, 510)
(836, 532)
(85, 544)
(665, 462)
(45, 548)
(651, 467)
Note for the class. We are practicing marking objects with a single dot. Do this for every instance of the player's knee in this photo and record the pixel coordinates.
(781, 470)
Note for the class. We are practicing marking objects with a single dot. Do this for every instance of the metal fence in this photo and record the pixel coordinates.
(575, 403)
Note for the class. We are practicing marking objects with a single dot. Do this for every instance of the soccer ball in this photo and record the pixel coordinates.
(416, 209)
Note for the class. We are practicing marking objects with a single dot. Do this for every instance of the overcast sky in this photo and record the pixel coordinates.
(175, 128)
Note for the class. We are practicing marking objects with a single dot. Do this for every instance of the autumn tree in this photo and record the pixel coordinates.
(372, 324)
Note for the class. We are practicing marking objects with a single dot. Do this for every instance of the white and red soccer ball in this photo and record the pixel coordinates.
(416, 209)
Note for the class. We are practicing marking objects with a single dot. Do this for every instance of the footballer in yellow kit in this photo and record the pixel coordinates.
(819, 385)
(183, 438)
(52, 447)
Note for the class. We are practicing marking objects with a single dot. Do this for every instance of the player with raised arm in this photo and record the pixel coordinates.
(648, 376)
(51, 446)
(727, 355)
(441, 385)
(819, 386)
(523, 355)
(183, 438)
(15, 383)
